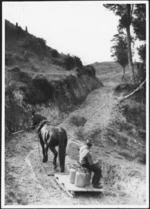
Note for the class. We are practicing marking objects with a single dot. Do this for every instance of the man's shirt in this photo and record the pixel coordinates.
(85, 156)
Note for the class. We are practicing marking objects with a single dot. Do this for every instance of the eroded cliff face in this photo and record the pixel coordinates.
(47, 98)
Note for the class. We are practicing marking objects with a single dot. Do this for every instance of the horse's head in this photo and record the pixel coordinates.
(37, 119)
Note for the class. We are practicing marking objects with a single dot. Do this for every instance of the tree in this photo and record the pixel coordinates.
(119, 50)
(125, 12)
(139, 26)
(139, 21)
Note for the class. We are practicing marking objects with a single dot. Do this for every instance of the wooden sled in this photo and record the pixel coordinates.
(63, 181)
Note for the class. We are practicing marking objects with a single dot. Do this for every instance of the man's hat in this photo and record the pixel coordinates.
(89, 142)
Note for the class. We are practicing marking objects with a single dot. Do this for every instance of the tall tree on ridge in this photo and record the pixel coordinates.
(125, 12)
(120, 50)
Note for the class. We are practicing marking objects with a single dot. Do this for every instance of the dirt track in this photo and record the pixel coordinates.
(28, 180)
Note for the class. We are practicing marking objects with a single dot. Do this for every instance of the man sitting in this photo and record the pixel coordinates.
(85, 159)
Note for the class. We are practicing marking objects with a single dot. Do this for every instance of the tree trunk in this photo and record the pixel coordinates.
(123, 76)
(124, 70)
(130, 63)
(133, 92)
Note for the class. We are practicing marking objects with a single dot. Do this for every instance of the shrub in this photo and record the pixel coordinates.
(41, 41)
(9, 89)
(15, 70)
(135, 114)
(110, 173)
(89, 69)
(141, 157)
(43, 85)
(24, 77)
(71, 62)
(9, 60)
(38, 91)
(141, 68)
(79, 133)
(77, 120)
(77, 61)
(27, 55)
(16, 76)
(32, 95)
(36, 45)
(54, 53)
(36, 119)
(124, 88)
(58, 62)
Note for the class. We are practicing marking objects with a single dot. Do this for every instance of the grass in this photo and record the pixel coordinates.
(15, 196)
(110, 173)
(127, 155)
(12, 192)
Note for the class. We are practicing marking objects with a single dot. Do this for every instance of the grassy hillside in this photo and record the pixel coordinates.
(40, 79)
(32, 54)
(106, 67)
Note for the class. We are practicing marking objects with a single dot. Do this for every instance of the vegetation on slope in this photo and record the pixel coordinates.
(39, 77)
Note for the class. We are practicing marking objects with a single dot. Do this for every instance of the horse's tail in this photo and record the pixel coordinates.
(62, 148)
(41, 125)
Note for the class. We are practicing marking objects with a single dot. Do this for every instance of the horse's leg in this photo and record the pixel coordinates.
(45, 153)
(62, 150)
(55, 156)
(43, 148)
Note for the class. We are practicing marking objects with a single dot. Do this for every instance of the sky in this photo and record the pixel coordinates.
(80, 28)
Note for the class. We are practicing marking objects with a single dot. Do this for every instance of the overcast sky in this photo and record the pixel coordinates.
(81, 28)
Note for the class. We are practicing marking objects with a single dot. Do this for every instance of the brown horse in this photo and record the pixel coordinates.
(50, 137)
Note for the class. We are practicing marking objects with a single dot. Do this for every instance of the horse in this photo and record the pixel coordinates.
(50, 137)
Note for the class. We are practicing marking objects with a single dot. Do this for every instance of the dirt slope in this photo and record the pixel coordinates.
(28, 180)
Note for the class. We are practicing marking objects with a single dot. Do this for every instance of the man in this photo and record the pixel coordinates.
(85, 159)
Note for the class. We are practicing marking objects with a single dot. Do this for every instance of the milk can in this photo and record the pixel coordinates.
(72, 175)
(80, 179)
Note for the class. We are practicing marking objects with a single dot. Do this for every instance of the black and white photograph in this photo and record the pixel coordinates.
(75, 104)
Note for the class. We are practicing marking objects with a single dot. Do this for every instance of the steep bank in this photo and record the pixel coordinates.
(47, 97)
(39, 79)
